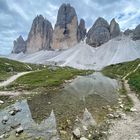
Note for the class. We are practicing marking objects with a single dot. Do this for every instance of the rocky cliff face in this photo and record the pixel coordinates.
(128, 32)
(40, 35)
(136, 33)
(81, 30)
(114, 28)
(19, 45)
(65, 31)
(99, 33)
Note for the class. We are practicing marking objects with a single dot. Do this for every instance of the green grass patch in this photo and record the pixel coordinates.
(10, 67)
(46, 78)
(134, 81)
(120, 70)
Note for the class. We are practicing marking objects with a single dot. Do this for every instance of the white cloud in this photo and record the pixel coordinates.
(18, 9)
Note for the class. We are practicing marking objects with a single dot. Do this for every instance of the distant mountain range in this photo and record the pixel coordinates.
(67, 32)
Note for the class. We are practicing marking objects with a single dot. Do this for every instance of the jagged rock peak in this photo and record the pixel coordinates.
(19, 45)
(99, 33)
(114, 28)
(136, 33)
(81, 30)
(20, 38)
(101, 22)
(40, 35)
(66, 13)
(128, 32)
(65, 31)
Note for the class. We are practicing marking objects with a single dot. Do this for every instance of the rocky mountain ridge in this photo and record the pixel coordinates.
(67, 32)
(19, 45)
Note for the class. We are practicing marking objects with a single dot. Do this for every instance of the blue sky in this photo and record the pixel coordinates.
(16, 16)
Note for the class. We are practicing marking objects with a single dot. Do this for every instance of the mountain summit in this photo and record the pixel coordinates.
(40, 35)
(65, 31)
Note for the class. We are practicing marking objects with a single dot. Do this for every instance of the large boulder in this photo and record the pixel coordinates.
(136, 33)
(114, 28)
(19, 45)
(40, 35)
(65, 31)
(99, 33)
(81, 30)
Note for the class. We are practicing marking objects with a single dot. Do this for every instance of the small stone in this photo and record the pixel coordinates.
(119, 99)
(49, 103)
(120, 102)
(2, 136)
(133, 110)
(110, 116)
(105, 133)
(5, 119)
(110, 109)
(68, 122)
(17, 134)
(103, 107)
(108, 106)
(121, 106)
(1, 102)
(83, 138)
(76, 120)
(17, 109)
(62, 132)
(77, 133)
(89, 135)
(85, 128)
(14, 111)
(19, 130)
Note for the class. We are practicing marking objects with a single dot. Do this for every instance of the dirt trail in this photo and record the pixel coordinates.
(128, 128)
(12, 78)
(9, 81)
(131, 72)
